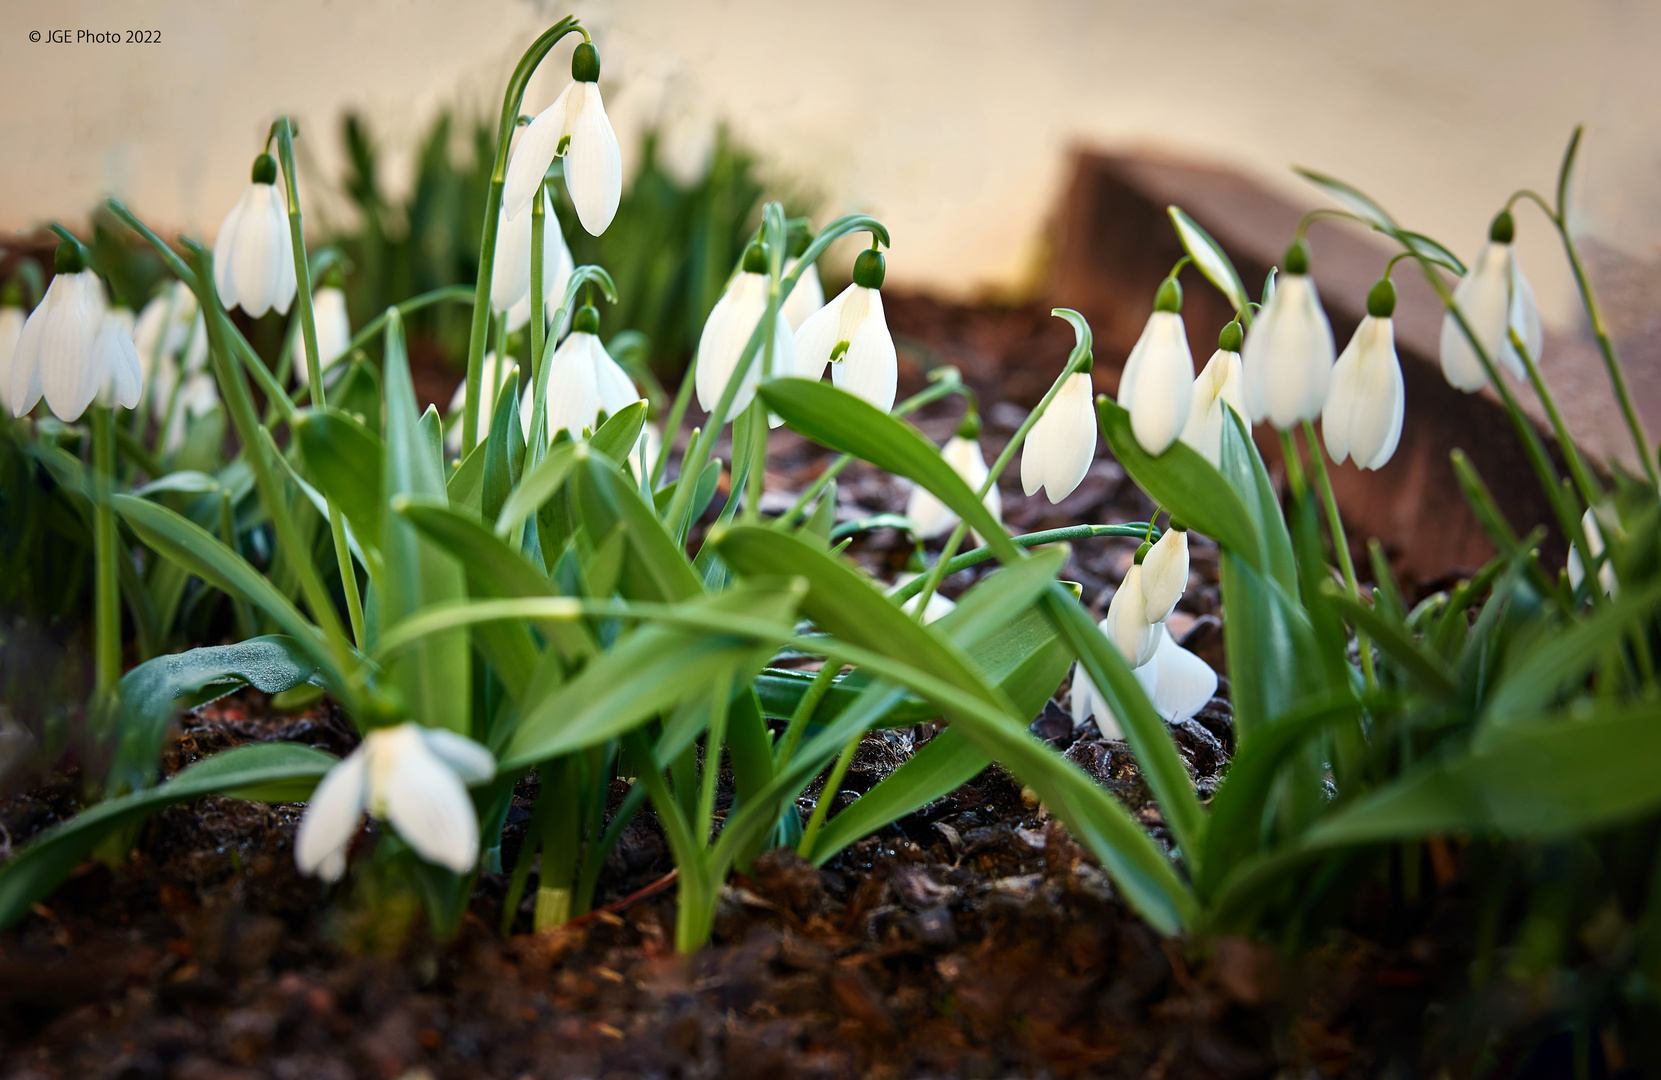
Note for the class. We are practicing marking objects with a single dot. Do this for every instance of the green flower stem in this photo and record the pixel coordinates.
(697, 455)
(1082, 341)
(715, 737)
(539, 327)
(284, 130)
(107, 583)
(1341, 546)
(461, 294)
(272, 494)
(805, 708)
(245, 624)
(672, 425)
(1590, 490)
(511, 100)
(489, 401)
(775, 233)
(695, 890)
(947, 383)
(1134, 530)
(135, 452)
(561, 841)
(828, 793)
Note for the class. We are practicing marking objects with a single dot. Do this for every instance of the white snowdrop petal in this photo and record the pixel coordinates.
(1159, 397)
(806, 298)
(1165, 574)
(286, 284)
(1523, 316)
(1339, 411)
(616, 391)
(1482, 296)
(120, 360)
(573, 397)
(70, 375)
(1377, 412)
(1060, 445)
(471, 761)
(429, 806)
(870, 371)
(510, 274)
(721, 345)
(1184, 683)
(532, 155)
(817, 336)
(332, 817)
(225, 244)
(594, 165)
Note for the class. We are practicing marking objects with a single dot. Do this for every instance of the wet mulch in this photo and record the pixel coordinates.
(971, 938)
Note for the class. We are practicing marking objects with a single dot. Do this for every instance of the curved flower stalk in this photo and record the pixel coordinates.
(1218, 387)
(575, 126)
(1594, 546)
(73, 349)
(851, 335)
(334, 331)
(1287, 363)
(962, 452)
(583, 379)
(510, 283)
(1367, 402)
(253, 254)
(728, 329)
(1157, 386)
(1062, 441)
(412, 776)
(1496, 299)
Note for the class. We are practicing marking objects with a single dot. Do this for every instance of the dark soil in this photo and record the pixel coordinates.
(972, 938)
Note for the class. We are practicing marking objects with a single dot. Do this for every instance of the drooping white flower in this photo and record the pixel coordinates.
(1178, 683)
(593, 161)
(73, 349)
(170, 326)
(1165, 573)
(1288, 359)
(197, 397)
(334, 332)
(253, 255)
(1368, 400)
(12, 319)
(412, 776)
(806, 298)
(1495, 298)
(1594, 546)
(1127, 622)
(489, 382)
(851, 335)
(962, 452)
(1217, 388)
(510, 279)
(938, 607)
(616, 390)
(573, 395)
(728, 329)
(1157, 386)
(1060, 444)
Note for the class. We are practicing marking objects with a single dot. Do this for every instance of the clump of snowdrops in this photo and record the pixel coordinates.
(511, 589)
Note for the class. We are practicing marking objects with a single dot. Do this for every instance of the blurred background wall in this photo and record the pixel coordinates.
(952, 122)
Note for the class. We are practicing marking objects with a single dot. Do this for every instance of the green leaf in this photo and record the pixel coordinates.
(536, 487)
(153, 691)
(617, 437)
(946, 763)
(1209, 257)
(504, 451)
(781, 690)
(188, 481)
(275, 770)
(1351, 197)
(655, 568)
(1184, 483)
(1430, 249)
(344, 459)
(434, 678)
(1418, 662)
(843, 422)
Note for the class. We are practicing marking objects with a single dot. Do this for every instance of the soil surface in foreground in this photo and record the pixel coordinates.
(972, 938)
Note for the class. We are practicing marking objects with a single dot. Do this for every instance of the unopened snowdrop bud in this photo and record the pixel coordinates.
(962, 452)
(1594, 546)
(414, 777)
(1288, 357)
(1217, 388)
(334, 331)
(510, 278)
(1495, 298)
(809, 294)
(574, 126)
(1058, 448)
(851, 335)
(73, 350)
(1165, 573)
(1364, 409)
(11, 328)
(1157, 387)
(728, 329)
(253, 255)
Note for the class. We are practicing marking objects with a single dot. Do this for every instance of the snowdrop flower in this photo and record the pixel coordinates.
(576, 127)
(510, 278)
(645, 452)
(1594, 546)
(197, 398)
(1495, 298)
(334, 332)
(1157, 387)
(583, 379)
(489, 382)
(1059, 446)
(851, 335)
(1289, 355)
(73, 349)
(1127, 623)
(1364, 409)
(413, 776)
(253, 255)
(1217, 388)
(1165, 573)
(938, 606)
(169, 328)
(962, 452)
(809, 294)
(11, 328)
(727, 331)
(1177, 682)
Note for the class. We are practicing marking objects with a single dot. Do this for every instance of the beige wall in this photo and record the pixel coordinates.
(950, 121)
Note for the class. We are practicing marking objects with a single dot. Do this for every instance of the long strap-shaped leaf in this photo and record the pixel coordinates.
(268, 771)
